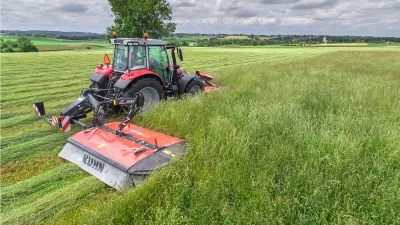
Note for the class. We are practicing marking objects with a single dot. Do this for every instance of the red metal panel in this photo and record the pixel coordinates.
(211, 88)
(138, 73)
(204, 75)
(122, 150)
(106, 70)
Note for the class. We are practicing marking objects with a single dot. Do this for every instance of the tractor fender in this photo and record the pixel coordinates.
(183, 82)
(101, 79)
(123, 83)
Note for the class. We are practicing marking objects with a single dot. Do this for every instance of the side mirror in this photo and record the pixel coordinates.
(106, 60)
(180, 55)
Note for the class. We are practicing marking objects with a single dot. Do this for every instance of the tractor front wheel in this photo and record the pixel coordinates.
(151, 89)
(194, 87)
(95, 85)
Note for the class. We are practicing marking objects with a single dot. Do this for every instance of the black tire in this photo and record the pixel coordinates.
(151, 89)
(101, 93)
(95, 85)
(194, 87)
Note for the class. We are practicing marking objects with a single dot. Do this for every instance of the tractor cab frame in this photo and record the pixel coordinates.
(135, 54)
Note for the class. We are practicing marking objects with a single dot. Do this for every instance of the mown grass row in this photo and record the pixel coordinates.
(29, 146)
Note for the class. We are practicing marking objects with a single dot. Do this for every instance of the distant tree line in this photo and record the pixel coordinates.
(258, 40)
(228, 42)
(186, 39)
(22, 44)
(55, 34)
(316, 39)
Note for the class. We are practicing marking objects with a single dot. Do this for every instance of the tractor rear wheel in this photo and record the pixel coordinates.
(151, 89)
(194, 87)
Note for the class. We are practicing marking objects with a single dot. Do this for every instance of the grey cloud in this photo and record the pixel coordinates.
(74, 8)
(312, 4)
(337, 17)
(228, 5)
(273, 2)
(184, 3)
(245, 13)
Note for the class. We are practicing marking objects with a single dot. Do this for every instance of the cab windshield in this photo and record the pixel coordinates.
(129, 57)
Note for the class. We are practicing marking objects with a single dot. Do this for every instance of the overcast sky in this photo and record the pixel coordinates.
(332, 17)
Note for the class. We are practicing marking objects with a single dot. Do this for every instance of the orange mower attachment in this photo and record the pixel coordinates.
(121, 161)
(206, 80)
(119, 153)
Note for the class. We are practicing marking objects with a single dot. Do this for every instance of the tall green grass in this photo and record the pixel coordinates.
(30, 147)
(295, 137)
(313, 141)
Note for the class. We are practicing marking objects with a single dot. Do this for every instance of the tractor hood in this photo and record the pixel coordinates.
(106, 70)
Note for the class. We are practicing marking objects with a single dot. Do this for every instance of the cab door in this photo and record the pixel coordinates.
(158, 62)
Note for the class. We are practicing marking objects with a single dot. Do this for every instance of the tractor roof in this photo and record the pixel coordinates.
(140, 41)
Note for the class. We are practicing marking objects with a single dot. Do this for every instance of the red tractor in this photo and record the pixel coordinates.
(142, 65)
(121, 154)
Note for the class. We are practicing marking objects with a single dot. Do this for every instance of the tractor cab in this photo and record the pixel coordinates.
(136, 54)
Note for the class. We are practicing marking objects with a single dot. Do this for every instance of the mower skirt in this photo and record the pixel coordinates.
(121, 162)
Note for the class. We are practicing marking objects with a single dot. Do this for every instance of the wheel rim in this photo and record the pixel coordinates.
(195, 89)
(151, 98)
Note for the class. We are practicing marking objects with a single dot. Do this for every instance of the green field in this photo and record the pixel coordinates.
(53, 44)
(298, 136)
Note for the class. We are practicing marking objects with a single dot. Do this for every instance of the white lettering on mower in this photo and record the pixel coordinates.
(91, 162)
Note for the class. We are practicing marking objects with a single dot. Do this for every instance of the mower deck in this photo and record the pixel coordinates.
(121, 161)
(211, 88)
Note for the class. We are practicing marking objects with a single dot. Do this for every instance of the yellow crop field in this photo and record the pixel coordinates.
(237, 37)
(342, 44)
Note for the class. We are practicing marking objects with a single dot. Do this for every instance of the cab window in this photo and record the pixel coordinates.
(120, 57)
(158, 61)
(137, 57)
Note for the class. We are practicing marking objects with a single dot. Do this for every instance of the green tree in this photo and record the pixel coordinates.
(172, 42)
(9, 46)
(296, 40)
(134, 17)
(261, 42)
(25, 45)
(3, 46)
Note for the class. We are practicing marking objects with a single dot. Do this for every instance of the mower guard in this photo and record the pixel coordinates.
(206, 79)
(62, 123)
(121, 162)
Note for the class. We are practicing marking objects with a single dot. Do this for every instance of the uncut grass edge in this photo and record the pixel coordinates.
(170, 204)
